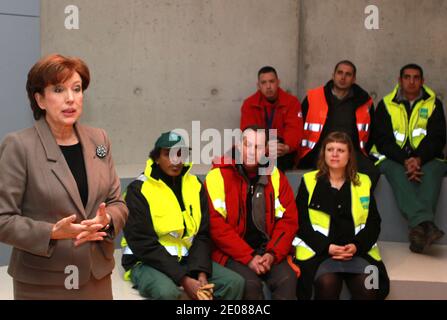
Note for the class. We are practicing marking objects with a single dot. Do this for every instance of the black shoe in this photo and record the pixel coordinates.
(432, 232)
(418, 239)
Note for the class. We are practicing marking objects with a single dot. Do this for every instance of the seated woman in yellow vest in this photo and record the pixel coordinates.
(339, 227)
(166, 238)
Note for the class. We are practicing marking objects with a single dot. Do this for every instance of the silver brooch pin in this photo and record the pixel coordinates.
(101, 151)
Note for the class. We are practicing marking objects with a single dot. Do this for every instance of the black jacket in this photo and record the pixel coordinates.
(430, 147)
(143, 241)
(341, 231)
(356, 98)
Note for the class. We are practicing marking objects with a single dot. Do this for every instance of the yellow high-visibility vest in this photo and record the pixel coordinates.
(321, 221)
(216, 190)
(413, 130)
(175, 228)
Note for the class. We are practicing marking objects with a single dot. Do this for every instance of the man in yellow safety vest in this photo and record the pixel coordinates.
(167, 242)
(410, 137)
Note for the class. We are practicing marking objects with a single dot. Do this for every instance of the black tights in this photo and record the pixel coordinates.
(328, 286)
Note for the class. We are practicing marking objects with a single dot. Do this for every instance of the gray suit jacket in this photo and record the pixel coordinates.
(37, 189)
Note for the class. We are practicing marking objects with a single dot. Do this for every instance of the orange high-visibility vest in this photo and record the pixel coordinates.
(316, 118)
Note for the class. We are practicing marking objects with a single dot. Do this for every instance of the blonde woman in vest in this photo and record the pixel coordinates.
(167, 242)
(339, 227)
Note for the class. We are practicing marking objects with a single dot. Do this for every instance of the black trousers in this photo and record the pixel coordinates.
(281, 281)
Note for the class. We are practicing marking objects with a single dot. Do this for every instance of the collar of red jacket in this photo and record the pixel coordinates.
(281, 102)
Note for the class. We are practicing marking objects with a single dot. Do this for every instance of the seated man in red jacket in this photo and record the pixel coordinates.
(273, 108)
(253, 218)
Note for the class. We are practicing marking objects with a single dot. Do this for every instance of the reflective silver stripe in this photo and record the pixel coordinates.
(399, 136)
(190, 239)
(359, 228)
(363, 126)
(362, 144)
(219, 204)
(378, 155)
(126, 250)
(298, 242)
(320, 229)
(142, 177)
(419, 132)
(278, 213)
(315, 127)
(308, 144)
(185, 251)
(174, 234)
(173, 251)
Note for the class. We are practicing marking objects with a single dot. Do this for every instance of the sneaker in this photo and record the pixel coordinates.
(418, 239)
(433, 233)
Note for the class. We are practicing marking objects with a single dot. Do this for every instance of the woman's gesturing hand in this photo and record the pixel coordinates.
(99, 222)
(66, 228)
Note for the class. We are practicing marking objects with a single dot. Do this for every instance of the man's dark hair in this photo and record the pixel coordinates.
(349, 63)
(155, 154)
(413, 66)
(267, 69)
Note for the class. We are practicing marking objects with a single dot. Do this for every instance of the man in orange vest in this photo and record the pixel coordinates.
(340, 105)
(273, 108)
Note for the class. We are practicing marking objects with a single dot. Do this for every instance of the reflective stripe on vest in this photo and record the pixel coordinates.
(315, 127)
(126, 250)
(302, 250)
(275, 177)
(400, 137)
(216, 191)
(307, 144)
(414, 129)
(320, 221)
(362, 126)
(175, 228)
(316, 118)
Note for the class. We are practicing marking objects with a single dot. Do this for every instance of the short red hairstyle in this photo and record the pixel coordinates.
(51, 70)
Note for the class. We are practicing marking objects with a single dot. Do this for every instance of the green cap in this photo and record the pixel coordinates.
(170, 139)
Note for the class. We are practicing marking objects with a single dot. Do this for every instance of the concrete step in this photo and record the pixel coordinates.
(415, 276)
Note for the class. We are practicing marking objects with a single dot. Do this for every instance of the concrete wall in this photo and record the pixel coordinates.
(158, 65)
(409, 31)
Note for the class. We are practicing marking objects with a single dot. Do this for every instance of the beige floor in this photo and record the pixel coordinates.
(413, 276)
